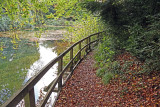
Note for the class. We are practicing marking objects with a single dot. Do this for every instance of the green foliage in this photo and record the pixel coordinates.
(107, 77)
(93, 6)
(133, 26)
(84, 27)
(100, 72)
(145, 43)
(104, 57)
(68, 8)
(24, 13)
(115, 67)
(6, 24)
(104, 52)
(84, 23)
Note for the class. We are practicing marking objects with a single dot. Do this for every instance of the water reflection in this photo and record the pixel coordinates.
(13, 68)
(48, 50)
(46, 55)
(23, 63)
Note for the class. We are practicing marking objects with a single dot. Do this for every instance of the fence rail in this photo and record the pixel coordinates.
(29, 87)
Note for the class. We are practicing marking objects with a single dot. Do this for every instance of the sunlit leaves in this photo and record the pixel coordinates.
(65, 7)
(85, 26)
(22, 10)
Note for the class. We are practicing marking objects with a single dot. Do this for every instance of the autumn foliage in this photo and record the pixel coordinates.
(85, 89)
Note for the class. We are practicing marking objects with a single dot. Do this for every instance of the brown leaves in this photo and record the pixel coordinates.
(85, 89)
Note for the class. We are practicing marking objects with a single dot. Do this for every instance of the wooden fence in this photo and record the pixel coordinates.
(29, 87)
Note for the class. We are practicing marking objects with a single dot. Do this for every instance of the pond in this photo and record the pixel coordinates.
(22, 60)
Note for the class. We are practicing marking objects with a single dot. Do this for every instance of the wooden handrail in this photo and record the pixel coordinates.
(29, 87)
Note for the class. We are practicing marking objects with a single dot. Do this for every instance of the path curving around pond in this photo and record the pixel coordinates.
(84, 88)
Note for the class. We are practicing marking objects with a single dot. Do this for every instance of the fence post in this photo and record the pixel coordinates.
(32, 98)
(60, 67)
(89, 43)
(26, 100)
(80, 51)
(87, 46)
(71, 58)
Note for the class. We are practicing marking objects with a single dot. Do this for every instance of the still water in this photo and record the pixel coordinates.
(20, 62)
(46, 55)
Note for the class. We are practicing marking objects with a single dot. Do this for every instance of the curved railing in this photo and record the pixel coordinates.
(29, 87)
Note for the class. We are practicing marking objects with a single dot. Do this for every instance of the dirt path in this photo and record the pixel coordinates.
(84, 89)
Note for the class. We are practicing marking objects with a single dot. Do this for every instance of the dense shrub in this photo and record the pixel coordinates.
(135, 27)
(145, 43)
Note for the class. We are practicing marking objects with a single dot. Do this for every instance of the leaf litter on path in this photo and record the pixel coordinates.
(85, 89)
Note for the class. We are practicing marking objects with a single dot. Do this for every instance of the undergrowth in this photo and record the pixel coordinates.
(134, 27)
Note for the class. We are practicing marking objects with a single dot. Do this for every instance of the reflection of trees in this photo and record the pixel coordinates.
(48, 44)
(58, 46)
(61, 46)
(13, 69)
